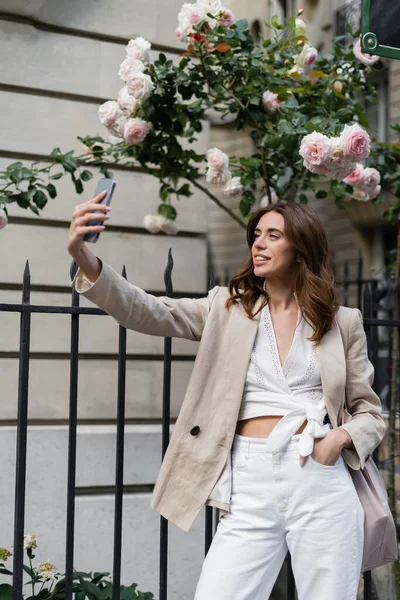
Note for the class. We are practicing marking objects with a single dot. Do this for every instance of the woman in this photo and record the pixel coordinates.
(261, 431)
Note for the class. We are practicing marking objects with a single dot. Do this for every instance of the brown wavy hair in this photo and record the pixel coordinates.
(314, 280)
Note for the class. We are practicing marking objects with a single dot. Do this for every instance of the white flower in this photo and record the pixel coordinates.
(219, 177)
(360, 195)
(29, 540)
(307, 56)
(45, 570)
(270, 101)
(140, 86)
(157, 222)
(166, 225)
(128, 102)
(130, 67)
(300, 24)
(210, 6)
(139, 49)
(109, 112)
(233, 187)
(135, 130)
(3, 221)
(217, 159)
(265, 200)
(370, 179)
(150, 223)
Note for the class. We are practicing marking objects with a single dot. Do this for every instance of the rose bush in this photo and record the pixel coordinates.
(302, 111)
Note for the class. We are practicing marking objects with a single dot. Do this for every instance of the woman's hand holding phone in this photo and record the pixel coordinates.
(82, 214)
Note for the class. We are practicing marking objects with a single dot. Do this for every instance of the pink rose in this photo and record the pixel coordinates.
(356, 141)
(140, 86)
(360, 195)
(195, 16)
(315, 149)
(233, 187)
(356, 175)
(129, 67)
(363, 57)
(371, 178)
(317, 169)
(128, 102)
(217, 159)
(218, 177)
(307, 56)
(109, 112)
(270, 101)
(135, 130)
(3, 218)
(179, 34)
(227, 18)
(139, 49)
(340, 164)
(374, 193)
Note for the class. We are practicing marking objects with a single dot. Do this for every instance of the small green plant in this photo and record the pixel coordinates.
(46, 582)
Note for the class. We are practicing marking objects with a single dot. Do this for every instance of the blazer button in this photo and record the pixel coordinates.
(195, 430)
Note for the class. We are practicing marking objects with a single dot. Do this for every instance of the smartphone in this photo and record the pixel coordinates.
(107, 185)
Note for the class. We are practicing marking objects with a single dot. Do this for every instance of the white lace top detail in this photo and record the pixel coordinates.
(293, 390)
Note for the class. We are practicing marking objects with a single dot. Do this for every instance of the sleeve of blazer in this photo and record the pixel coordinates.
(133, 308)
(367, 427)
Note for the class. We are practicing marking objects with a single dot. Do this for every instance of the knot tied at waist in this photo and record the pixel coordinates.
(285, 429)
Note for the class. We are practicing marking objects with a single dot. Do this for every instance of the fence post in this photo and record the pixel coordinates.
(166, 415)
(72, 425)
(119, 460)
(22, 427)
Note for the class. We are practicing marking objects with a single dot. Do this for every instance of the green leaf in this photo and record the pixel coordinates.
(18, 175)
(22, 199)
(345, 115)
(78, 186)
(6, 591)
(167, 211)
(86, 175)
(273, 141)
(289, 141)
(303, 199)
(52, 190)
(321, 194)
(184, 190)
(40, 199)
(56, 176)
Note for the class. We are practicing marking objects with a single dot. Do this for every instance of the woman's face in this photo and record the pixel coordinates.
(273, 255)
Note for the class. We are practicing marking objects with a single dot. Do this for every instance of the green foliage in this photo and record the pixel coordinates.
(225, 71)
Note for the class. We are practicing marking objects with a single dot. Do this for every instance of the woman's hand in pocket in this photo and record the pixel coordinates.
(327, 449)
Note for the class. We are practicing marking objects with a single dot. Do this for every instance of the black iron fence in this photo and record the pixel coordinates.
(373, 297)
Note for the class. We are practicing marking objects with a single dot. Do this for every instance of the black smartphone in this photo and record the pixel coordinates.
(103, 185)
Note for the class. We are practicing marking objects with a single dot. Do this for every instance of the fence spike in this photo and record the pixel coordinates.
(168, 274)
(73, 270)
(26, 284)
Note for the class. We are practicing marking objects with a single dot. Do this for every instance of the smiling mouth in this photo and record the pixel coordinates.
(260, 260)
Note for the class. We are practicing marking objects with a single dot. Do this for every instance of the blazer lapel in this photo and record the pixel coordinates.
(239, 344)
(332, 364)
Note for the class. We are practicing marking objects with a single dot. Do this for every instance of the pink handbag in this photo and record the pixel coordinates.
(380, 539)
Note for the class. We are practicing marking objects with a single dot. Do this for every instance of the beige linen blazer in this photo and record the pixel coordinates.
(203, 434)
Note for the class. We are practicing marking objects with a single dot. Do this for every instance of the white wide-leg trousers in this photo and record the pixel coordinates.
(277, 505)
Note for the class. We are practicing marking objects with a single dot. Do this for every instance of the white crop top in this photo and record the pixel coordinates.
(293, 390)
